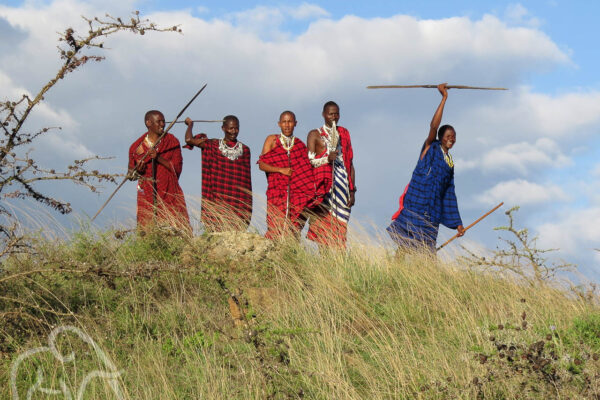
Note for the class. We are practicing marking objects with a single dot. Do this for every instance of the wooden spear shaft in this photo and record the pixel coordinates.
(149, 150)
(433, 87)
(197, 120)
(473, 224)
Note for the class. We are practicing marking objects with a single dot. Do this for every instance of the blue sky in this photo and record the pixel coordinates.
(534, 146)
(573, 25)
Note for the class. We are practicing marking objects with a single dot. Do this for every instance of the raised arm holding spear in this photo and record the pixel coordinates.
(429, 199)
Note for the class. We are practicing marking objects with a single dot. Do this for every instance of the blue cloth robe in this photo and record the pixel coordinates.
(429, 201)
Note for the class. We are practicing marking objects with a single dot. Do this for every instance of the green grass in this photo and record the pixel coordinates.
(357, 325)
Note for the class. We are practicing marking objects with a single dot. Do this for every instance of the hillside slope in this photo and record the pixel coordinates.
(232, 316)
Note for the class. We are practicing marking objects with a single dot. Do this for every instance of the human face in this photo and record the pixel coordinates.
(231, 128)
(331, 114)
(448, 139)
(287, 123)
(156, 123)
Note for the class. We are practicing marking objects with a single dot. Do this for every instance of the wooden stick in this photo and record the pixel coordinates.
(473, 224)
(198, 120)
(432, 87)
(148, 152)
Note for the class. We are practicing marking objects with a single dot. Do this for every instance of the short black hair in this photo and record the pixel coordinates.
(330, 103)
(149, 113)
(228, 118)
(443, 129)
(287, 112)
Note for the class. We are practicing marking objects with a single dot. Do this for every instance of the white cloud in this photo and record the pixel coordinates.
(307, 11)
(522, 192)
(269, 22)
(517, 14)
(529, 114)
(45, 115)
(519, 157)
(575, 233)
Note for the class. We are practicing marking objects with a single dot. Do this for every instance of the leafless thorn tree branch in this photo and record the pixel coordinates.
(19, 171)
(520, 255)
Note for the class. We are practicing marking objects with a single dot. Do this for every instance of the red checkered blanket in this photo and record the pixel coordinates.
(301, 187)
(226, 188)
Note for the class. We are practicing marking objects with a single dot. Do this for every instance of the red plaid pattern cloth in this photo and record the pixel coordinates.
(326, 229)
(226, 188)
(170, 202)
(301, 188)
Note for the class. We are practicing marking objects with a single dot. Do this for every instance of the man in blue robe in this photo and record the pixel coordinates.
(429, 198)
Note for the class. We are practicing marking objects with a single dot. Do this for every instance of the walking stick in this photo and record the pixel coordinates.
(154, 186)
(433, 87)
(473, 224)
(287, 204)
(130, 175)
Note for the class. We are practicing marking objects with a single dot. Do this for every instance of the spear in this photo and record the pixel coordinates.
(130, 175)
(433, 87)
(473, 224)
(197, 120)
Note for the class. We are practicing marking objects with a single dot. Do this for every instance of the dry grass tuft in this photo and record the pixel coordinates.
(232, 316)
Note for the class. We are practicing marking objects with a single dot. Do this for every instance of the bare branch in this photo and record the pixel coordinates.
(521, 257)
(19, 171)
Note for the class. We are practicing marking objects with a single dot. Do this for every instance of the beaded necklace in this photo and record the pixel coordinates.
(232, 153)
(447, 158)
(331, 137)
(287, 142)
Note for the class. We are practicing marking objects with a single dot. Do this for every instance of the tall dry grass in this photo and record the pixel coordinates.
(359, 324)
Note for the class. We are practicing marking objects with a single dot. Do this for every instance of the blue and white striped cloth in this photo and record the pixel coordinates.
(339, 196)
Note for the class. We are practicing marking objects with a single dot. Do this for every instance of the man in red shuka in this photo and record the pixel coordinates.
(291, 185)
(159, 197)
(226, 178)
(330, 153)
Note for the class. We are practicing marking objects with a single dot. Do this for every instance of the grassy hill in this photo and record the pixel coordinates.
(232, 316)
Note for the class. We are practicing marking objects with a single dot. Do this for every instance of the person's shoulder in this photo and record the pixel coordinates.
(271, 139)
(244, 146)
(343, 130)
(313, 134)
(172, 138)
(299, 142)
(137, 141)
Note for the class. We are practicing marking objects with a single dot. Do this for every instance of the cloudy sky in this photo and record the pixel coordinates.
(533, 146)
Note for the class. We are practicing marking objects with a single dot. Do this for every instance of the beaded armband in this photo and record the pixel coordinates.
(316, 162)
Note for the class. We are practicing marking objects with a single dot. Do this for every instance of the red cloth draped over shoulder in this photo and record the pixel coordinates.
(226, 187)
(324, 173)
(301, 187)
(170, 202)
(401, 203)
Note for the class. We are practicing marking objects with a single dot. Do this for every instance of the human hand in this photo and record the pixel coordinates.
(286, 171)
(189, 122)
(332, 156)
(351, 199)
(140, 167)
(442, 88)
(461, 231)
(152, 154)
